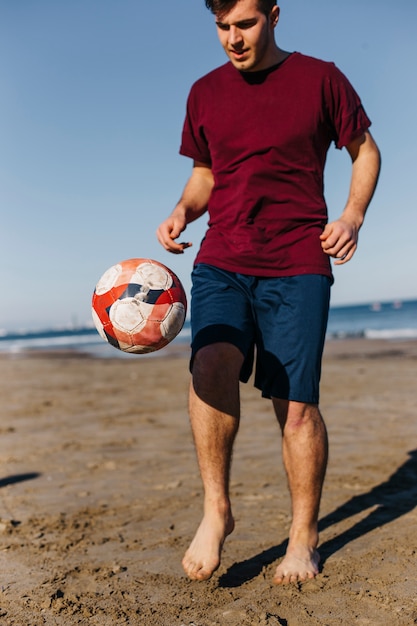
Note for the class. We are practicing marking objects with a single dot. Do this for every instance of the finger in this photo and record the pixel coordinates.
(344, 250)
(346, 257)
(338, 245)
(166, 241)
(175, 232)
(166, 237)
(327, 236)
(176, 248)
(326, 232)
(331, 242)
(336, 235)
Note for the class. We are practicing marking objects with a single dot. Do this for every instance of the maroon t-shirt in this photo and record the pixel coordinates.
(266, 135)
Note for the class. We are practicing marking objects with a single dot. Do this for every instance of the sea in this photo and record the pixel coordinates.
(395, 320)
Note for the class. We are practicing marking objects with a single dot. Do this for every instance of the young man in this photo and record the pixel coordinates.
(258, 129)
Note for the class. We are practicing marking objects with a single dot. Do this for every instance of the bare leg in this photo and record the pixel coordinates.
(305, 450)
(214, 415)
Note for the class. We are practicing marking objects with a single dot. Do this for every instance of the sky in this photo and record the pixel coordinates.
(92, 103)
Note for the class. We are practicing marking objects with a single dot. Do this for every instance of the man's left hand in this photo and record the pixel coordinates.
(340, 240)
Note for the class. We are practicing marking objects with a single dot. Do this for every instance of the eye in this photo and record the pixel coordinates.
(243, 25)
(246, 24)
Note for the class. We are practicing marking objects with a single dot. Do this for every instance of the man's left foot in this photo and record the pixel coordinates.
(299, 564)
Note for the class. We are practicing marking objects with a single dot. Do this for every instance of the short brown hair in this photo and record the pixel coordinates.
(222, 7)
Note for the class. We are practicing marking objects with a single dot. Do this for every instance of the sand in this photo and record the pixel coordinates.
(100, 496)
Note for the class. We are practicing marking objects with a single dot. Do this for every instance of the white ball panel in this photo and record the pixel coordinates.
(108, 280)
(98, 324)
(173, 321)
(129, 315)
(153, 276)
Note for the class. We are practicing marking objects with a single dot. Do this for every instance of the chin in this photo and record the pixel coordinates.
(244, 66)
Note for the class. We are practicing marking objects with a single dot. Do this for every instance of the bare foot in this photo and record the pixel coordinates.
(299, 564)
(203, 556)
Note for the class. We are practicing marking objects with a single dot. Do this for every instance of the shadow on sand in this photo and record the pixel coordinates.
(18, 478)
(389, 500)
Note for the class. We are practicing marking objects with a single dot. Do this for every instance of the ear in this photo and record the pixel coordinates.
(274, 17)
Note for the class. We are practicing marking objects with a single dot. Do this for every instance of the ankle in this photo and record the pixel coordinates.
(220, 507)
(307, 537)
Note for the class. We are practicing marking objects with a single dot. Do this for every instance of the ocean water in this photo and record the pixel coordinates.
(377, 320)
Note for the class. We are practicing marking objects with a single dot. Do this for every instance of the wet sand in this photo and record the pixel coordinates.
(100, 496)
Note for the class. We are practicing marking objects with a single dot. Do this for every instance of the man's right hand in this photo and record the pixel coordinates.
(169, 231)
(192, 205)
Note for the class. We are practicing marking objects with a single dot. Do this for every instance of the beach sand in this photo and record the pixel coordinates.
(100, 496)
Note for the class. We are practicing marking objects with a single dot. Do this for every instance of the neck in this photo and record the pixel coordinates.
(275, 57)
(278, 56)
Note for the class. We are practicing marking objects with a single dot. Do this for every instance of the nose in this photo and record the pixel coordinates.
(235, 36)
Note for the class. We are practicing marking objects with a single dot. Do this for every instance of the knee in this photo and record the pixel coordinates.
(217, 364)
(294, 415)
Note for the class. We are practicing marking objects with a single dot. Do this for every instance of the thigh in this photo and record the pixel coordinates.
(221, 312)
(292, 320)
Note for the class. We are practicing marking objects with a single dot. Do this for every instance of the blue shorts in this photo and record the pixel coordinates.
(280, 322)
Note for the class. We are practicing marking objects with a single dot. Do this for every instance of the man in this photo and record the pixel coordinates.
(258, 129)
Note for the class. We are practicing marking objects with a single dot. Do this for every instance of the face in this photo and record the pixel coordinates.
(247, 36)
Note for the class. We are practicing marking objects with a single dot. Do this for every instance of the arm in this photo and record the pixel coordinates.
(340, 238)
(192, 205)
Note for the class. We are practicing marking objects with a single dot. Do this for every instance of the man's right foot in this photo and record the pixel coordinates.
(202, 558)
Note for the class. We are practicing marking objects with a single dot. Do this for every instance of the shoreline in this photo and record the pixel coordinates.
(334, 348)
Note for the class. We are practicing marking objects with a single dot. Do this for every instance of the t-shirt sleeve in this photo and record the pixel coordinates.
(194, 143)
(347, 114)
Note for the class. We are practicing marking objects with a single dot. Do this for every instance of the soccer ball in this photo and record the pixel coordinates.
(139, 306)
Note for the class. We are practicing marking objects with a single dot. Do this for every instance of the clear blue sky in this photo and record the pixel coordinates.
(92, 103)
